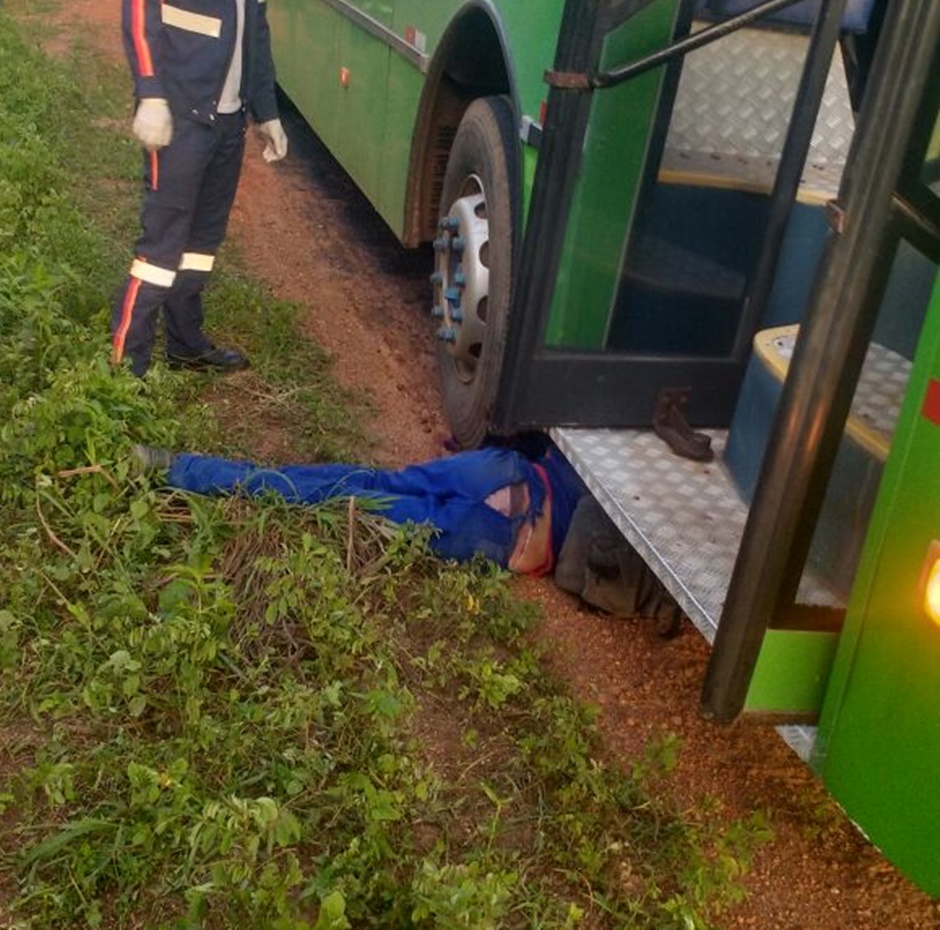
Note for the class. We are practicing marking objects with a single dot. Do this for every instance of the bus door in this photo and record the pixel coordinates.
(736, 569)
(670, 181)
(886, 233)
(878, 749)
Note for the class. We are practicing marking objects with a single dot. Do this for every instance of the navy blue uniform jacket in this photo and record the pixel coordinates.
(181, 51)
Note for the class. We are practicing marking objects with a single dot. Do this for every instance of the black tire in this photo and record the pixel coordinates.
(480, 192)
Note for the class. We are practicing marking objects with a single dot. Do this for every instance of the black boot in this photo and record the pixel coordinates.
(213, 359)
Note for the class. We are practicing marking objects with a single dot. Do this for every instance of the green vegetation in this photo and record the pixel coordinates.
(223, 714)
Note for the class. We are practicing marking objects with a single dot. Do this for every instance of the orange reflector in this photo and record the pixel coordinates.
(932, 592)
(344, 77)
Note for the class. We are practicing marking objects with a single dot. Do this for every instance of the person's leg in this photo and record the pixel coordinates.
(297, 484)
(420, 494)
(172, 177)
(473, 476)
(183, 307)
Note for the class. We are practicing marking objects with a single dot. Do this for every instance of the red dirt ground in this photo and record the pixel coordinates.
(311, 237)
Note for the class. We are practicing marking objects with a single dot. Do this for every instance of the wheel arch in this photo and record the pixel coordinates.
(472, 60)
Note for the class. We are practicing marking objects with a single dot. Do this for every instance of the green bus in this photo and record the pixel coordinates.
(696, 241)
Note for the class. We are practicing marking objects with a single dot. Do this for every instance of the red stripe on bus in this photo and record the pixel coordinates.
(932, 402)
(141, 45)
(127, 312)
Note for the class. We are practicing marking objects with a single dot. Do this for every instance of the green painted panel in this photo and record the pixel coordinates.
(612, 167)
(878, 749)
(532, 40)
(791, 673)
(382, 11)
(306, 38)
(360, 137)
(529, 164)
(405, 84)
(369, 125)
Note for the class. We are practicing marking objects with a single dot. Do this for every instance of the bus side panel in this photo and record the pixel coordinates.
(362, 98)
(531, 41)
(403, 97)
(306, 41)
(878, 748)
(336, 74)
(363, 80)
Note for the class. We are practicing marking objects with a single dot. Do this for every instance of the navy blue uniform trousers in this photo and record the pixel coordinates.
(189, 188)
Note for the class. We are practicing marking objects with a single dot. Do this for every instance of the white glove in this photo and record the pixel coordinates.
(275, 139)
(153, 124)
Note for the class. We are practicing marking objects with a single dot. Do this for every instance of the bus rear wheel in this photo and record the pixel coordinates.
(473, 265)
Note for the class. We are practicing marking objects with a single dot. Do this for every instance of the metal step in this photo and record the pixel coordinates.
(732, 110)
(684, 518)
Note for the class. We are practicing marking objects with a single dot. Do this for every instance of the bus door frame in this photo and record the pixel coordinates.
(868, 221)
(617, 389)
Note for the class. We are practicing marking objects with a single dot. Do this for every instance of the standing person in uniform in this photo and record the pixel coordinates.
(200, 67)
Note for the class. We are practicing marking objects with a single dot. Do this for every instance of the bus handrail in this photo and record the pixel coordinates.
(605, 79)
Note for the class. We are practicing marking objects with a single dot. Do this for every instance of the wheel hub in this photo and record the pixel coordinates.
(462, 279)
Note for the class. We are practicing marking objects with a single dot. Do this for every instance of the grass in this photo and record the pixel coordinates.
(221, 714)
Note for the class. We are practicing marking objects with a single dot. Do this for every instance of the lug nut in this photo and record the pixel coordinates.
(437, 312)
(447, 334)
(459, 244)
(452, 295)
(437, 278)
(456, 314)
(440, 245)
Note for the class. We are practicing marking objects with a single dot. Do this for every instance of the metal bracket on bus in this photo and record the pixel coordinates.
(568, 80)
(670, 423)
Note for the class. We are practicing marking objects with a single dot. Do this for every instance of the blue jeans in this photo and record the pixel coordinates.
(449, 494)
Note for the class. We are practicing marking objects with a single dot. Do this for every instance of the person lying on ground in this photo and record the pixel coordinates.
(495, 502)
(529, 513)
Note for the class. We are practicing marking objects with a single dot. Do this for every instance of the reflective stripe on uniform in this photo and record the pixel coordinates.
(127, 313)
(191, 22)
(141, 45)
(196, 261)
(154, 171)
(152, 274)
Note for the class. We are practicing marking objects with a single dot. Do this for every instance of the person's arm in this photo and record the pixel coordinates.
(153, 124)
(264, 98)
(141, 26)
